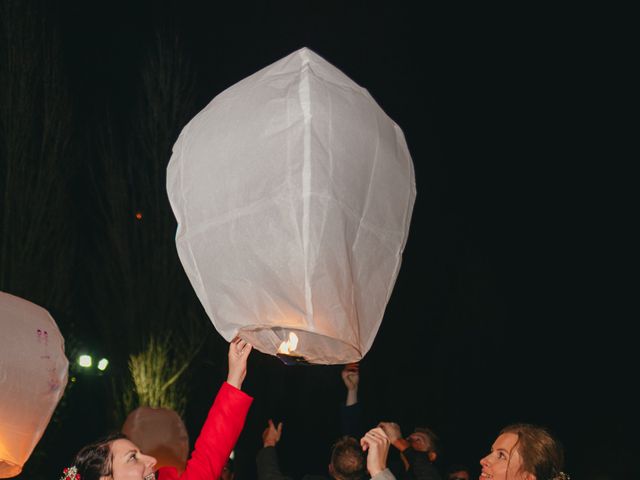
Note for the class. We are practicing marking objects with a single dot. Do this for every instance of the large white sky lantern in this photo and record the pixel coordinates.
(33, 376)
(293, 193)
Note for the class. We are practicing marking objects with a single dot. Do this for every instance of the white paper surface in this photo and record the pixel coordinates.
(33, 376)
(293, 193)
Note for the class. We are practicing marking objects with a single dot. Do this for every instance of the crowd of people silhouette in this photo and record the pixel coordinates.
(520, 452)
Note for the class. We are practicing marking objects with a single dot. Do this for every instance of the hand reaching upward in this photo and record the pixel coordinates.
(377, 443)
(351, 379)
(271, 435)
(238, 353)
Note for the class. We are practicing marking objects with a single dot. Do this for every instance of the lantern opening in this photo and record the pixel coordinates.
(287, 349)
(289, 359)
(312, 347)
(8, 468)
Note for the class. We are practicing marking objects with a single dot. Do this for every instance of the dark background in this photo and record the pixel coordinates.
(505, 308)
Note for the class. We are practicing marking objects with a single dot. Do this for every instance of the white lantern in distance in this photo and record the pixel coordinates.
(33, 376)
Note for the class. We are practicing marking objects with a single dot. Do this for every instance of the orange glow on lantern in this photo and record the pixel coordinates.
(32, 378)
(288, 346)
(287, 352)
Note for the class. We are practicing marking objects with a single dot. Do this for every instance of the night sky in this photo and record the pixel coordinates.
(502, 311)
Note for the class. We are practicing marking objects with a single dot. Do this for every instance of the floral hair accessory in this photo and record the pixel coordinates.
(70, 473)
(561, 476)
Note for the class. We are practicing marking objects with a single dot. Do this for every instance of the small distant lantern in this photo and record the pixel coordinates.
(33, 376)
(161, 433)
(293, 192)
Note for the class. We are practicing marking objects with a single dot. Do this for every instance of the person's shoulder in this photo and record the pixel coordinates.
(168, 473)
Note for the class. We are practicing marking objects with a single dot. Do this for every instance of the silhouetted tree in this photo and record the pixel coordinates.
(148, 316)
(37, 240)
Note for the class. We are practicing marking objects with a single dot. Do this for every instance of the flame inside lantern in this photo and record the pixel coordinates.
(288, 346)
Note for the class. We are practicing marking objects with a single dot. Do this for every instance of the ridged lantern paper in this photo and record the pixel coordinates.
(293, 193)
(159, 432)
(33, 376)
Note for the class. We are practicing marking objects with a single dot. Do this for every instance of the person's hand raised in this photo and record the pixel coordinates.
(377, 443)
(238, 353)
(351, 376)
(271, 435)
(392, 430)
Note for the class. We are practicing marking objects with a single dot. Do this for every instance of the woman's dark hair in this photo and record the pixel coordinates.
(541, 453)
(95, 460)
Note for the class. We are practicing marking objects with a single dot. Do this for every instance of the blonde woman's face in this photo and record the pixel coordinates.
(504, 462)
(128, 463)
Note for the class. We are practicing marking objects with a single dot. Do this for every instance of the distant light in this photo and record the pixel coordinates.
(84, 361)
(139, 215)
(102, 364)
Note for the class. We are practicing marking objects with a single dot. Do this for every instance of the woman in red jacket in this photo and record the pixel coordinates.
(117, 458)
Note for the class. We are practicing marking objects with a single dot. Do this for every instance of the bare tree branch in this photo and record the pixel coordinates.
(142, 289)
(37, 241)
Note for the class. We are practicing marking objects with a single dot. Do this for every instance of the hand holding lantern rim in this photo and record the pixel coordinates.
(239, 351)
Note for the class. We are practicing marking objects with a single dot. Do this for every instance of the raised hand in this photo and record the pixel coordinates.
(377, 443)
(271, 434)
(395, 435)
(392, 430)
(238, 353)
(351, 379)
(351, 376)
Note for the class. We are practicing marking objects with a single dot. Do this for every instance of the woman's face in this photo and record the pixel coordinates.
(504, 462)
(128, 463)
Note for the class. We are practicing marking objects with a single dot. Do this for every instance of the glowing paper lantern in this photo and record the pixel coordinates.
(293, 193)
(159, 432)
(33, 376)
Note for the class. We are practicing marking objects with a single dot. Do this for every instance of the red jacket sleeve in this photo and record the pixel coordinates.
(217, 437)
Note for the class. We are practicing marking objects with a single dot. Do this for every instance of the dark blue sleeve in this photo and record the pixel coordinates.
(420, 467)
(351, 420)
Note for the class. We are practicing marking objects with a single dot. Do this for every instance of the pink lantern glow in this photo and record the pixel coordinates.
(159, 432)
(33, 376)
